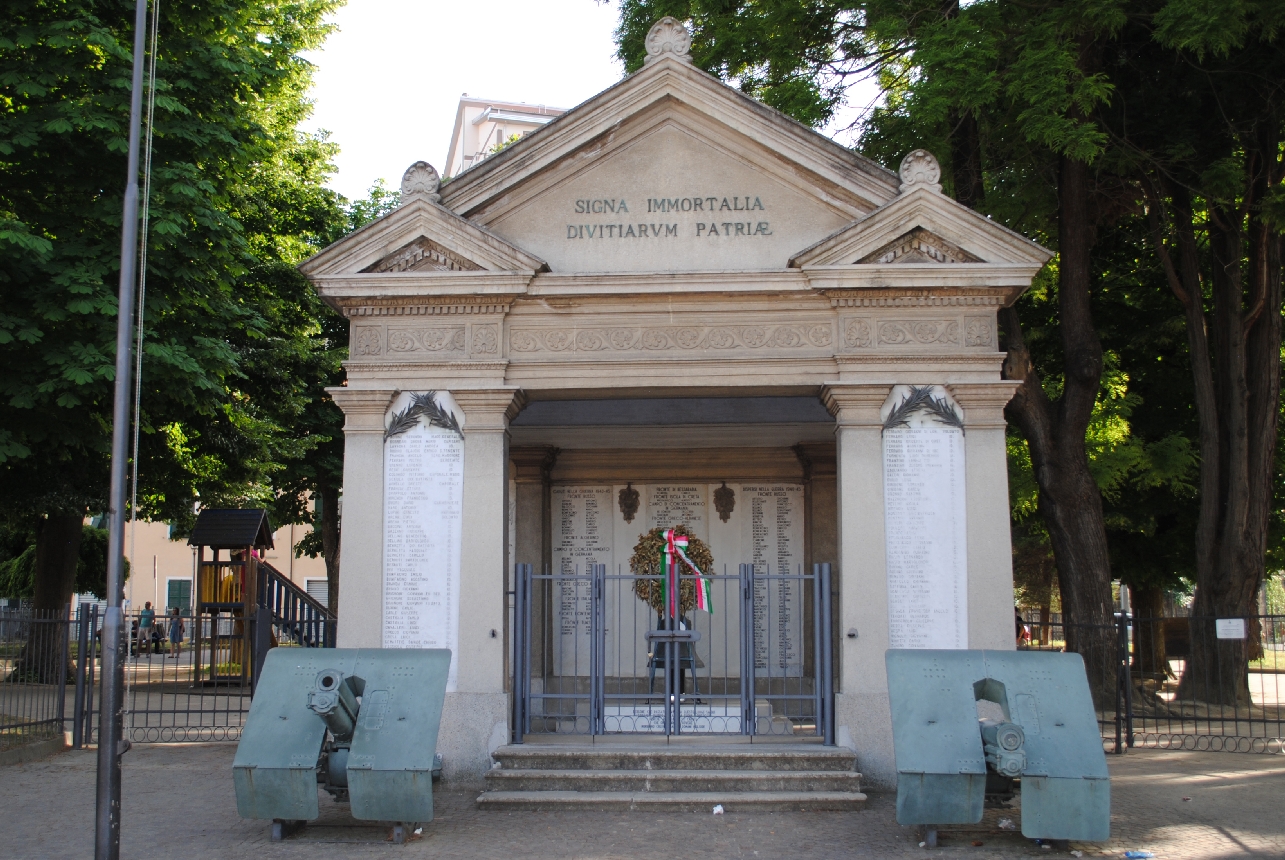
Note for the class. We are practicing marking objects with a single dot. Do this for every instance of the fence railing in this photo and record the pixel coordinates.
(1196, 683)
(592, 655)
(34, 661)
(177, 685)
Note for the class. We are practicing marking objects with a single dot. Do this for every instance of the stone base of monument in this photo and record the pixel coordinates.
(766, 777)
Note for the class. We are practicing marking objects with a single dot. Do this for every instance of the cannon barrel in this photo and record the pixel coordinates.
(334, 702)
(1003, 744)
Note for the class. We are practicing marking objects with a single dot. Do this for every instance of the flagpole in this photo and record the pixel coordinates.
(110, 741)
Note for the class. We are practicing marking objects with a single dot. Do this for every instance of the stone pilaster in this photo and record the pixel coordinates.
(361, 563)
(862, 705)
(990, 558)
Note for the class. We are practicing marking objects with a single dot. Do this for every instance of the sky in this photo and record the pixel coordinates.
(387, 81)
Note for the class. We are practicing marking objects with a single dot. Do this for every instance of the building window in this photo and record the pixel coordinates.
(178, 592)
(318, 591)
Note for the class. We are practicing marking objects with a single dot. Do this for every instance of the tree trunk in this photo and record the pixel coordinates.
(57, 554)
(1237, 397)
(1149, 658)
(1069, 498)
(330, 545)
(966, 158)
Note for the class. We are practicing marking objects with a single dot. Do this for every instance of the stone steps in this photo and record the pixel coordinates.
(672, 780)
(767, 777)
(672, 801)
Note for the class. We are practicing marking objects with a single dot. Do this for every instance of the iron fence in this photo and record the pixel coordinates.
(187, 677)
(1193, 683)
(34, 659)
(591, 657)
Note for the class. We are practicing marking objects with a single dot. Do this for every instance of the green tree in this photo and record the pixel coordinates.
(235, 200)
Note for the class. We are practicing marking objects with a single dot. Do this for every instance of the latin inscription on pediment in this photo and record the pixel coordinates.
(669, 201)
(919, 246)
(423, 255)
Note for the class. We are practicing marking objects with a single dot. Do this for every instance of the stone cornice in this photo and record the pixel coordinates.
(890, 297)
(869, 285)
(659, 284)
(368, 367)
(431, 306)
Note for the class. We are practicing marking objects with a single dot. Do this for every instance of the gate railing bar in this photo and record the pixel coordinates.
(826, 656)
(750, 718)
(82, 657)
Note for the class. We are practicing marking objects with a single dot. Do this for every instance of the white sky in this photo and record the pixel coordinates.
(388, 80)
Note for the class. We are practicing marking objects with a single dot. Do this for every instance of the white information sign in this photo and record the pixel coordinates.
(1229, 628)
(925, 533)
(423, 507)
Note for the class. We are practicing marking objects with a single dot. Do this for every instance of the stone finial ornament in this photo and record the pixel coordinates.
(920, 169)
(668, 36)
(421, 179)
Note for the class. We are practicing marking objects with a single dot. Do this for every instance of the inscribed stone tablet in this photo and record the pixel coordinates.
(582, 538)
(772, 540)
(423, 503)
(924, 516)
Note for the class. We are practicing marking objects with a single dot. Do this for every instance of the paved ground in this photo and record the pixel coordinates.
(179, 803)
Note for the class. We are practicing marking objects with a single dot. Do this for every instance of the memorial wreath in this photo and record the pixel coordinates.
(662, 546)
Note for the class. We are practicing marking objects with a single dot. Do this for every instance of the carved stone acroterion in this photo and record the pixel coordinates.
(421, 180)
(668, 36)
(919, 169)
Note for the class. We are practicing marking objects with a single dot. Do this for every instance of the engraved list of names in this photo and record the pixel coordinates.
(582, 538)
(772, 541)
(423, 505)
(924, 518)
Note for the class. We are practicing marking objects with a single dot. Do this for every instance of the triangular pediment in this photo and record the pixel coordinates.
(421, 236)
(922, 226)
(918, 246)
(669, 170)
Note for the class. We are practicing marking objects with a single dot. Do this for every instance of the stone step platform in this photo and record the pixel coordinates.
(762, 757)
(672, 780)
(673, 801)
(673, 777)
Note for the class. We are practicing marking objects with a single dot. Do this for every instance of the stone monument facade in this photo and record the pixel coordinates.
(674, 303)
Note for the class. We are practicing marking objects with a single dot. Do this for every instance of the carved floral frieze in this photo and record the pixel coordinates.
(436, 339)
(866, 333)
(657, 338)
(898, 332)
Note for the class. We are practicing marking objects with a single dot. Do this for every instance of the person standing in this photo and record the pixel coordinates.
(176, 632)
(146, 621)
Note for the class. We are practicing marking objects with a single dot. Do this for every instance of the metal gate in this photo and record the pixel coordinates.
(591, 658)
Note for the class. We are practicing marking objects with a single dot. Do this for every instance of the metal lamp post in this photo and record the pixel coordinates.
(111, 744)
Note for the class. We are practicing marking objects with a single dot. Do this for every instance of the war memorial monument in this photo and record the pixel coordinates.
(671, 307)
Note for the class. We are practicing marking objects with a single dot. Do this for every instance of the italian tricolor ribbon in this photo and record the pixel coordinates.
(670, 555)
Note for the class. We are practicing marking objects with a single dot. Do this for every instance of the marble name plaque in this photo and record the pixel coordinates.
(582, 538)
(763, 526)
(423, 506)
(925, 529)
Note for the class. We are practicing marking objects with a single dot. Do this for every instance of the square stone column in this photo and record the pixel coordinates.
(475, 717)
(990, 547)
(361, 560)
(861, 709)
